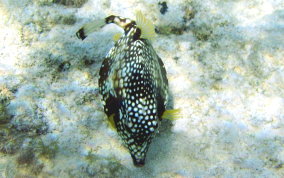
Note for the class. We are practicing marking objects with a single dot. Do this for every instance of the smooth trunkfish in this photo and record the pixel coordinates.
(133, 83)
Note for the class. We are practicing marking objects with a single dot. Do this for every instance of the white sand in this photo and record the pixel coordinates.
(225, 64)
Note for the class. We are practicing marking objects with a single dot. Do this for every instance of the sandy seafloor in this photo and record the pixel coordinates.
(225, 65)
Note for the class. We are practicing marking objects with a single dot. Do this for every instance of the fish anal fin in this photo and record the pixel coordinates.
(172, 114)
(110, 120)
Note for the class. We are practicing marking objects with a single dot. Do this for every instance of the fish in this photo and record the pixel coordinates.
(133, 83)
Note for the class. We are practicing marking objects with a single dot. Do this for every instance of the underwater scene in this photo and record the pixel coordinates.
(141, 88)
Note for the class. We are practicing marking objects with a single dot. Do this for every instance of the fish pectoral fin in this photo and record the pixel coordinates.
(110, 121)
(89, 28)
(172, 114)
(116, 37)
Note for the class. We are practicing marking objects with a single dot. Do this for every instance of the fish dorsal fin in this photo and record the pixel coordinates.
(146, 26)
(172, 114)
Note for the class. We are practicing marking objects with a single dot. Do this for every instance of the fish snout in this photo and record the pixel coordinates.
(138, 162)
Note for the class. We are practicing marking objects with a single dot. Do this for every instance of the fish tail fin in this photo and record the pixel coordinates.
(146, 26)
(89, 28)
(119, 21)
(172, 114)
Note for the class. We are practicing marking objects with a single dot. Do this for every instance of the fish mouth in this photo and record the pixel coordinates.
(138, 162)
